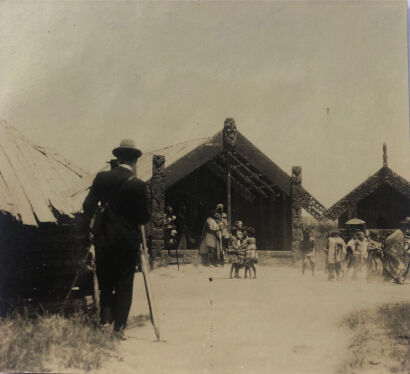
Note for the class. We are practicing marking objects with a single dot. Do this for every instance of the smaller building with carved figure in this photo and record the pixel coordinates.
(382, 200)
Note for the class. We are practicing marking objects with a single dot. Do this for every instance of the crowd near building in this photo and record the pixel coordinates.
(220, 196)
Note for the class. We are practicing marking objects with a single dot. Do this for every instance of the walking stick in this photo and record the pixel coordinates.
(95, 282)
(176, 254)
(222, 259)
(144, 267)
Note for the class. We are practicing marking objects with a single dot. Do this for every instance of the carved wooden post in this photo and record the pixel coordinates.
(296, 201)
(229, 144)
(157, 206)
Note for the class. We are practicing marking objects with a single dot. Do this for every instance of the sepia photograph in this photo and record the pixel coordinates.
(204, 186)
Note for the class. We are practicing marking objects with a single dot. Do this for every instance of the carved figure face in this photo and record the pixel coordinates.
(229, 133)
(158, 161)
(297, 174)
(296, 170)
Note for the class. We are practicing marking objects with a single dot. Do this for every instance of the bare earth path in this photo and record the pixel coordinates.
(282, 322)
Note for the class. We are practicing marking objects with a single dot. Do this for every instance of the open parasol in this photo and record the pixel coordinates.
(355, 222)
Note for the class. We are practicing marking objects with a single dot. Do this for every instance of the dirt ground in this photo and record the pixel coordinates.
(282, 322)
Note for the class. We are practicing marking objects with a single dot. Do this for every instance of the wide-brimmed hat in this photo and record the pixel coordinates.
(127, 147)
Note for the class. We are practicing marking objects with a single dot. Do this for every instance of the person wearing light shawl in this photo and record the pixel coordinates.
(210, 245)
(395, 263)
(374, 258)
(336, 253)
(359, 255)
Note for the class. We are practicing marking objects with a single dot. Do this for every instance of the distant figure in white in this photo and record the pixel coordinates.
(336, 253)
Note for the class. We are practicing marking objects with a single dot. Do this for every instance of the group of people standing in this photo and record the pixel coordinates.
(220, 245)
(215, 236)
(362, 253)
(359, 252)
(242, 250)
(170, 228)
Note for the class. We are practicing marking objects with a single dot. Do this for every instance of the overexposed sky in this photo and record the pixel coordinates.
(319, 84)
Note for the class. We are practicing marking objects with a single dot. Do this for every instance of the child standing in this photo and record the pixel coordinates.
(251, 257)
(233, 247)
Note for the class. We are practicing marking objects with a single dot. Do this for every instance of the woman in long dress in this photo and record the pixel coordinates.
(210, 245)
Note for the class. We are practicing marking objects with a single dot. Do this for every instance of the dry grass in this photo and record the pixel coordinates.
(52, 342)
(380, 340)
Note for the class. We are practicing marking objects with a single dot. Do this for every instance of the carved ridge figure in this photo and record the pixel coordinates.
(297, 175)
(229, 134)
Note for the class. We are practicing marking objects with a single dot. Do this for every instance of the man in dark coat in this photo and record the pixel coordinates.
(121, 203)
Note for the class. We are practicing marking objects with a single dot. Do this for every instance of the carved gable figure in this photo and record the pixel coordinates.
(385, 155)
(229, 134)
(297, 175)
(158, 169)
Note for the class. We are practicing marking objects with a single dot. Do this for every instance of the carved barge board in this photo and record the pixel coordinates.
(238, 186)
(252, 174)
(157, 205)
(296, 201)
(312, 205)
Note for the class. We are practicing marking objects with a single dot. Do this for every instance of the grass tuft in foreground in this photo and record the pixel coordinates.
(380, 340)
(52, 342)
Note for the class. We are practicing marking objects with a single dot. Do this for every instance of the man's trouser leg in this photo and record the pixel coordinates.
(125, 268)
(104, 259)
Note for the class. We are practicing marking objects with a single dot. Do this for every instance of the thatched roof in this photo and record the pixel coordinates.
(33, 180)
(385, 175)
(183, 158)
(255, 173)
